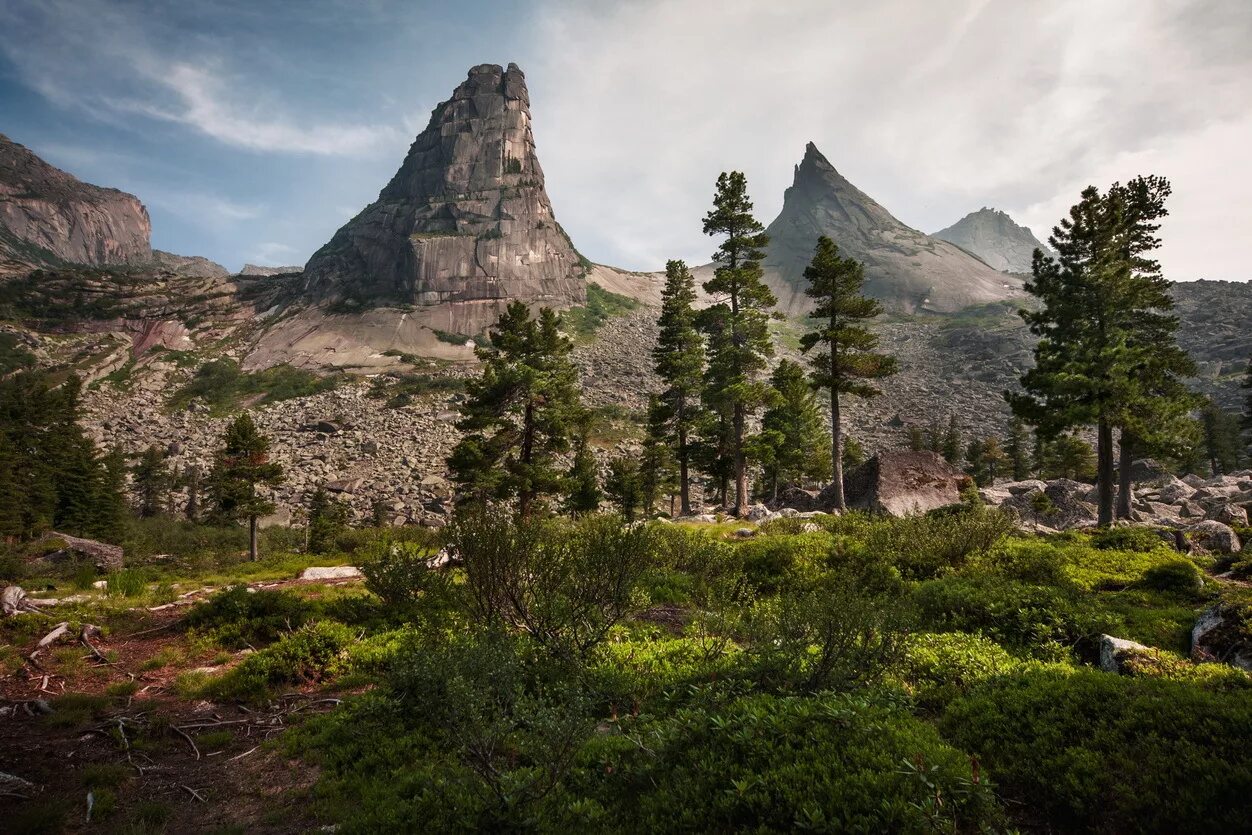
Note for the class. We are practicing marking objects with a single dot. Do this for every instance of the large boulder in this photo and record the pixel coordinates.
(1061, 505)
(900, 483)
(60, 548)
(1114, 652)
(1215, 537)
(1146, 469)
(797, 498)
(1220, 634)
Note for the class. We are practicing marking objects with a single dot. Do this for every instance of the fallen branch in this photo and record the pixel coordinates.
(13, 786)
(194, 794)
(59, 631)
(187, 737)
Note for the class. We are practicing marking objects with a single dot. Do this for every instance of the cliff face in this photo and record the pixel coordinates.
(48, 216)
(465, 221)
(904, 268)
(995, 238)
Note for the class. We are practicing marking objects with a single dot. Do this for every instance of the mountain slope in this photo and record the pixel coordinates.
(995, 238)
(904, 268)
(49, 217)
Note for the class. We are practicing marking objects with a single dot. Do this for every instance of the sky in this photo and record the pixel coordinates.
(252, 130)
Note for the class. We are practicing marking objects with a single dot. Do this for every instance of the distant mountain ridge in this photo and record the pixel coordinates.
(49, 217)
(995, 238)
(904, 268)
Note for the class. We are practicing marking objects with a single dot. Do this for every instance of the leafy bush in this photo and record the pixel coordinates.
(565, 584)
(926, 546)
(1030, 560)
(772, 562)
(1041, 621)
(938, 667)
(1096, 751)
(223, 385)
(311, 653)
(778, 764)
(238, 618)
(1126, 538)
(831, 635)
(1176, 575)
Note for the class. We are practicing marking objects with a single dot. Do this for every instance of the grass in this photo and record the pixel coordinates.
(581, 323)
(225, 387)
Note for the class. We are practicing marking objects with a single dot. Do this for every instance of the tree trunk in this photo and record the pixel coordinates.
(684, 491)
(836, 451)
(1104, 473)
(1123, 475)
(741, 466)
(252, 549)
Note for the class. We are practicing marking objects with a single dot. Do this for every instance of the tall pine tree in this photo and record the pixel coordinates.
(152, 481)
(240, 467)
(679, 358)
(1016, 450)
(792, 432)
(1106, 354)
(737, 324)
(520, 413)
(847, 362)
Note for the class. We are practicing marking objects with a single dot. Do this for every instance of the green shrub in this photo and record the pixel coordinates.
(312, 653)
(1176, 575)
(224, 386)
(602, 305)
(926, 546)
(1028, 559)
(938, 667)
(1040, 621)
(778, 764)
(1126, 538)
(401, 574)
(773, 562)
(1088, 750)
(127, 582)
(239, 617)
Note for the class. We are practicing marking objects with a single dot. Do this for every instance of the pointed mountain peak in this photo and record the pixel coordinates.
(996, 238)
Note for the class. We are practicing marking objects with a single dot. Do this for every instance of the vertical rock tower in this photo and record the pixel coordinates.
(465, 222)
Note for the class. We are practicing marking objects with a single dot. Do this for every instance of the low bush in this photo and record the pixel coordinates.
(238, 617)
(310, 654)
(777, 764)
(1090, 750)
(938, 667)
(1038, 621)
(927, 546)
(1177, 575)
(1126, 538)
(774, 562)
(401, 574)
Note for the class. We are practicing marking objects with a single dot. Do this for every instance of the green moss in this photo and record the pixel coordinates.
(582, 322)
(225, 387)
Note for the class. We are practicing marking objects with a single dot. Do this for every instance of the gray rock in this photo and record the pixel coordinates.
(1215, 537)
(901, 483)
(330, 572)
(1220, 635)
(996, 239)
(1115, 651)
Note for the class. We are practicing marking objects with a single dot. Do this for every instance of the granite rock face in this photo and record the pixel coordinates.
(904, 268)
(995, 238)
(465, 222)
(48, 217)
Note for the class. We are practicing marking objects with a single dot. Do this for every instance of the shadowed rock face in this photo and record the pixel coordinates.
(906, 269)
(995, 238)
(48, 216)
(466, 219)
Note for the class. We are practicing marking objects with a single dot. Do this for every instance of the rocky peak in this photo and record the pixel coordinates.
(995, 238)
(904, 268)
(465, 222)
(49, 217)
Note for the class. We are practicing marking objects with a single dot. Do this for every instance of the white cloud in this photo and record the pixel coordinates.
(935, 109)
(104, 59)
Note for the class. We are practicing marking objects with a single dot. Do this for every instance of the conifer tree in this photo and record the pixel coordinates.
(917, 441)
(624, 487)
(679, 358)
(520, 413)
(582, 482)
(934, 436)
(1223, 448)
(152, 482)
(739, 339)
(658, 473)
(191, 479)
(1068, 456)
(847, 363)
(853, 453)
(994, 458)
(975, 466)
(109, 510)
(952, 451)
(1106, 354)
(792, 432)
(239, 468)
(327, 518)
(1015, 449)
(1247, 409)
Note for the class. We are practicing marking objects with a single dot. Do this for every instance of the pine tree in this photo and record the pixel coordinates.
(792, 432)
(192, 482)
(582, 481)
(679, 358)
(239, 468)
(853, 453)
(1106, 356)
(739, 339)
(1068, 456)
(152, 481)
(327, 518)
(934, 436)
(952, 445)
(1015, 449)
(994, 458)
(109, 509)
(1247, 409)
(520, 413)
(975, 466)
(917, 441)
(847, 362)
(658, 473)
(623, 486)
(1221, 442)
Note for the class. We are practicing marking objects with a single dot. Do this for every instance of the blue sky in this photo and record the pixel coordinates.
(252, 130)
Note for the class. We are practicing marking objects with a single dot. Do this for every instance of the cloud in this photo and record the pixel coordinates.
(117, 63)
(274, 254)
(209, 209)
(934, 109)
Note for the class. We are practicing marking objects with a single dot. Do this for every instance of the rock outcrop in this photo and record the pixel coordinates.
(995, 238)
(256, 269)
(465, 223)
(50, 218)
(903, 482)
(191, 266)
(904, 268)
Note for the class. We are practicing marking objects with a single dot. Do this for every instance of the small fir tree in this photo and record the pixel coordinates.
(793, 436)
(152, 482)
(679, 358)
(240, 467)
